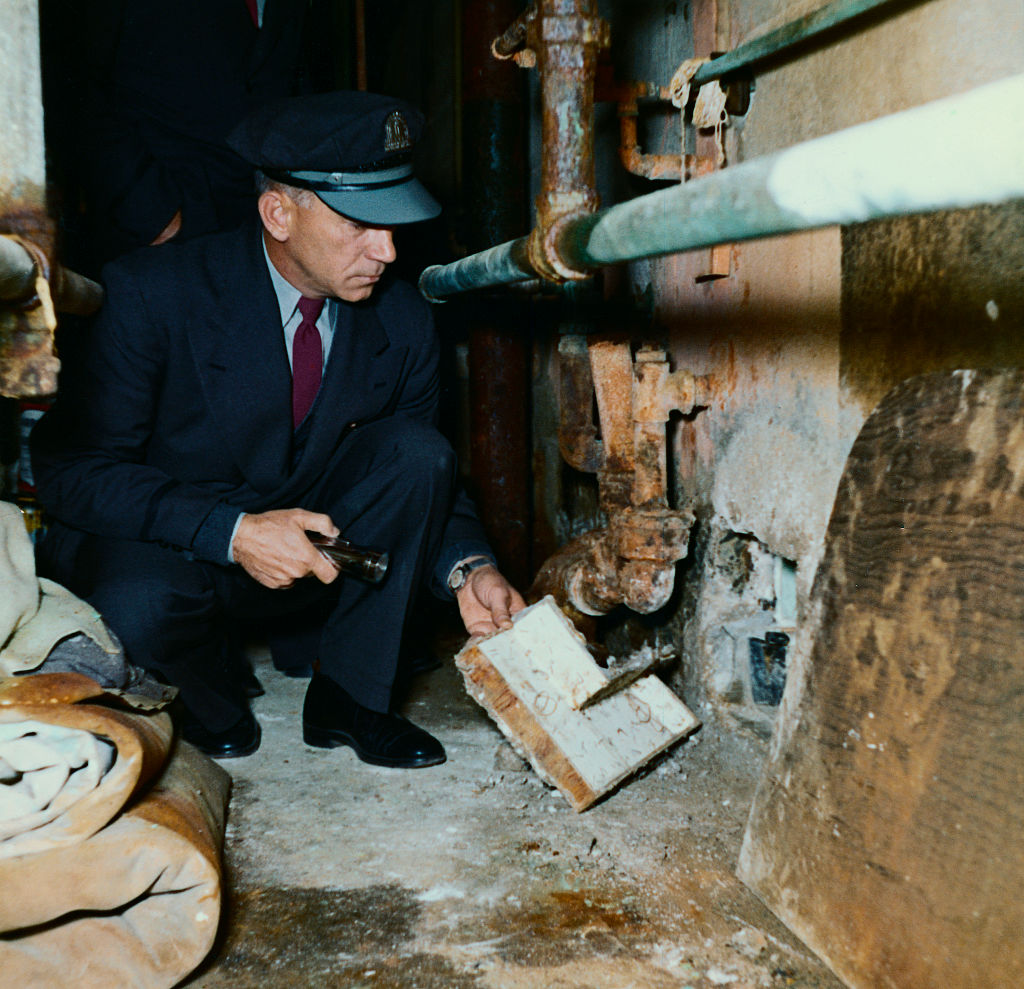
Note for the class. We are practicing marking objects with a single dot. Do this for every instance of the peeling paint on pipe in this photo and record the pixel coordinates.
(842, 178)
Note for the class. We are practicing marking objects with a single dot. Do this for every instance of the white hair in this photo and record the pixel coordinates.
(301, 197)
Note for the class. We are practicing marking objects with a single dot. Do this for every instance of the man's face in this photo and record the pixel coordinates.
(326, 254)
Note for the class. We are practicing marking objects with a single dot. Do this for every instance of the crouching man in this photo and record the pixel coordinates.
(246, 389)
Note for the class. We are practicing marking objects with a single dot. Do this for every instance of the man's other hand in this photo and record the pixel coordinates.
(272, 547)
(487, 601)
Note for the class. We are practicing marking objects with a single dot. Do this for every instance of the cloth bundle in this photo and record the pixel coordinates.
(110, 829)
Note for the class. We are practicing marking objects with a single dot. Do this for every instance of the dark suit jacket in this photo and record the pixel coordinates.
(181, 415)
(167, 80)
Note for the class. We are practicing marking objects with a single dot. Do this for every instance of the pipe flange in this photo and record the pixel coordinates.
(544, 251)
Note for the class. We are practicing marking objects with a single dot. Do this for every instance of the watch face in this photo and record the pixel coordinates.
(461, 573)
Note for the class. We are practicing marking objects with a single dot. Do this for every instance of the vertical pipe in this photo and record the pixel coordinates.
(494, 187)
(568, 66)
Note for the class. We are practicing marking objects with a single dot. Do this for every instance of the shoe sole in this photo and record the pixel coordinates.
(329, 738)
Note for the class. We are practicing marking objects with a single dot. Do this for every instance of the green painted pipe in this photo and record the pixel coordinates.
(909, 162)
(788, 36)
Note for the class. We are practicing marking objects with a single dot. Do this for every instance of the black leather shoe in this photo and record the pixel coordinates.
(331, 717)
(241, 739)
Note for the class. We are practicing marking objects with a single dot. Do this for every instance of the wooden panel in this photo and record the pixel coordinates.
(888, 830)
(532, 680)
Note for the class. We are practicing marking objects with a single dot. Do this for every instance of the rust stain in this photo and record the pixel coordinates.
(28, 363)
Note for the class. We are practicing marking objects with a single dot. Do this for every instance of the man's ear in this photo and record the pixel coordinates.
(276, 209)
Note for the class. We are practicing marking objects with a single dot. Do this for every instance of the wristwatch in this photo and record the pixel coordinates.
(459, 575)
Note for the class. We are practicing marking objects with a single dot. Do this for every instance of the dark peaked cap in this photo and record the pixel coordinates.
(353, 149)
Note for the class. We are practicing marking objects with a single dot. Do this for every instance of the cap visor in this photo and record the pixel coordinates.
(407, 202)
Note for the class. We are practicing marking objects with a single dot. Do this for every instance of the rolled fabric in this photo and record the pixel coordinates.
(68, 767)
(37, 614)
(135, 905)
(19, 590)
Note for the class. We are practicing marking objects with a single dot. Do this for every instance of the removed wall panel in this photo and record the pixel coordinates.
(547, 695)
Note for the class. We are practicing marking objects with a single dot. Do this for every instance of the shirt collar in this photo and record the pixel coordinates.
(287, 294)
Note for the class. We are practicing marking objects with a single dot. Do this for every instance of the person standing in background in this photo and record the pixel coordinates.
(165, 85)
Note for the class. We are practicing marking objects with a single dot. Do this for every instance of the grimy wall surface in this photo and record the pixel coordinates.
(806, 333)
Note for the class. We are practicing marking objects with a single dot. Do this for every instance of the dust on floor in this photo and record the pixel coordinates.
(476, 875)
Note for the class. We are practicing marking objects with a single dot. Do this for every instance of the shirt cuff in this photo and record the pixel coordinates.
(231, 542)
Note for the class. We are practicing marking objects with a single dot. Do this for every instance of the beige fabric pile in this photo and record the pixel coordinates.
(110, 829)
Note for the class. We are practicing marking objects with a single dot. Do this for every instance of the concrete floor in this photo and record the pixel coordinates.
(476, 874)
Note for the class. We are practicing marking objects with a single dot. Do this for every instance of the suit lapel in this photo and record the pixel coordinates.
(242, 363)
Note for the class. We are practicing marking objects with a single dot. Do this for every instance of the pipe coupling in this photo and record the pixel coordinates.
(544, 253)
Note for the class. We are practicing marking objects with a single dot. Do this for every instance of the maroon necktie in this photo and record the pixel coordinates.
(307, 359)
(253, 11)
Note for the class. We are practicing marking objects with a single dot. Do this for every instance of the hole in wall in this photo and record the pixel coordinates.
(751, 612)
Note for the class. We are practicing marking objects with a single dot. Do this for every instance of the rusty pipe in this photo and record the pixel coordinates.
(567, 36)
(577, 433)
(494, 190)
(506, 45)
(611, 364)
(19, 269)
(631, 561)
(835, 179)
(648, 166)
(657, 393)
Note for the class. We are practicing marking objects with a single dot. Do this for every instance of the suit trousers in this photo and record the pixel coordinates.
(389, 485)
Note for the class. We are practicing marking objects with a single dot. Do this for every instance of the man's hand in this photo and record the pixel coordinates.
(487, 601)
(273, 548)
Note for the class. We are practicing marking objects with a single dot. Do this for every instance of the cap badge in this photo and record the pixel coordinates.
(396, 133)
